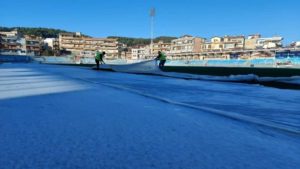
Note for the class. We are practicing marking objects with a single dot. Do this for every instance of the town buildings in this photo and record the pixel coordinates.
(187, 46)
(237, 43)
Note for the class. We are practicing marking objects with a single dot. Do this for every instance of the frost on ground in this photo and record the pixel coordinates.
(67, 117)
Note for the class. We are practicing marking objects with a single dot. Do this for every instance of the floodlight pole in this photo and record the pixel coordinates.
(152, 15)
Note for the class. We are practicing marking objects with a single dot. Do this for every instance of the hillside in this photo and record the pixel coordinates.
(42, 32)
(141, 41)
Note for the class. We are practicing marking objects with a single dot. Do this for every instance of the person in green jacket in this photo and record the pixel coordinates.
(99, 58)
(162, 59)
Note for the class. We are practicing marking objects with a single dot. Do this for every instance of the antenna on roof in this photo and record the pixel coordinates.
(152, 15)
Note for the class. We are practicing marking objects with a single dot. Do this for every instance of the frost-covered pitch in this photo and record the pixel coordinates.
(71, 117)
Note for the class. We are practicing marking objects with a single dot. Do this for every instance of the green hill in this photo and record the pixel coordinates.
(141, 41)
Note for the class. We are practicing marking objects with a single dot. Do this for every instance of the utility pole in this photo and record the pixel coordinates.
(152, 15)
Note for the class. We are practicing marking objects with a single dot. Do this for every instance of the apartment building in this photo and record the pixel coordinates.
(12, 46)
(33, 45)
(251, 41)
(76, 43)
(225, 43)
(11, 43)
(139, 52)
(216, 44)
(234, 42)
(126, 53)
(161, 46)
(187, 44)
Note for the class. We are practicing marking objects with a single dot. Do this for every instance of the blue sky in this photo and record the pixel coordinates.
(174, 17)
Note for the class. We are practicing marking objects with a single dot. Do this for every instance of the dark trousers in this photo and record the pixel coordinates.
(97, 62)
(161, 64)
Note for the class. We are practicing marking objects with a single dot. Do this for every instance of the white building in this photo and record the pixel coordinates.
(49, 42)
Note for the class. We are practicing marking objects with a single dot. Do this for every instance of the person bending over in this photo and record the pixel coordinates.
(99, 58)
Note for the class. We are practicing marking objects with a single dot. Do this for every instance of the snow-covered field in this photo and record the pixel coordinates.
(71, 117)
